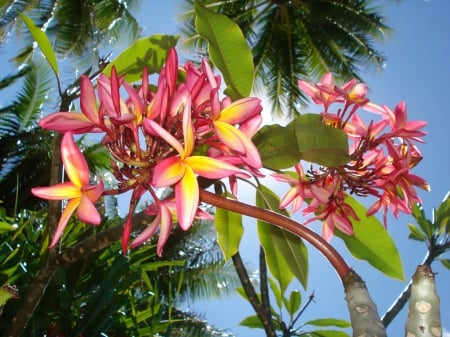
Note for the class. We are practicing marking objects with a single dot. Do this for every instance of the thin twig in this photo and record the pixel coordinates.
(252, 296)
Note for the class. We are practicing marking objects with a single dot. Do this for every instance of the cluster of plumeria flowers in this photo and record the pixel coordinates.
(382, 155)
(157, 140)
(169, 137)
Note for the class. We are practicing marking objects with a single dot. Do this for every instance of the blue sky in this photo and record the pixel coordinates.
(417, 71)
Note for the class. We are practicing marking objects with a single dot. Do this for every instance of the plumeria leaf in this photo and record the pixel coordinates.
(229, 231)
(286, 254)
(320, 143)
(293, 304)
(277, 146)
(228, 50)
(329, 322)
(446, 263)
(326, 333)
(276, 292)
(42, 41)
(371, 242)
(149, 52)
(442, 214)
(252, 322)
(416, 233)
(424, 224)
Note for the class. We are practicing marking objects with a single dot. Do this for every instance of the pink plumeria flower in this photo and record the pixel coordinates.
(180, 170)
(323, 92)
(299, 191)
(78, 191)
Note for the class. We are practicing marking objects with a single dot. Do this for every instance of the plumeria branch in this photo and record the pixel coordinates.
(260, 308)
(284, 222)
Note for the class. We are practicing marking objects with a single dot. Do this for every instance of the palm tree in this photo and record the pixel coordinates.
(300, 39)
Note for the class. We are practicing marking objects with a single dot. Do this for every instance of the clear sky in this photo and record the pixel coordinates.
(418, 72)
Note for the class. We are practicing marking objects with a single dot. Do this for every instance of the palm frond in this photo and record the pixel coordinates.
(300, 39)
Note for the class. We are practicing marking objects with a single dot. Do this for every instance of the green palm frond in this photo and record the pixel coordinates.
(10, 79)
(300, 39)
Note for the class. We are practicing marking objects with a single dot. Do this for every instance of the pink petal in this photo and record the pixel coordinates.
(69, 121)
(87, 212)
(147, 233)
(188, 130)
(154, 128)
(164, 230)
(65, 216)
(74, 163)
(88, 101)
(62, 191)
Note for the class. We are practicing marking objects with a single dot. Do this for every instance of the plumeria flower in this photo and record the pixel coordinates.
(181, 170)
(299, 191)
(78, 191)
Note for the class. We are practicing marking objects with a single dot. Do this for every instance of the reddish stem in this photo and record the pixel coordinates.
(281, 221)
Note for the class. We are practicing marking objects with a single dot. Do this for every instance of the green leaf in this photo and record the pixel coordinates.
(424, 224)
(42, 41)
(5, 227)
(150, 52)
(229, 231)
(416, 233)
(340, 323)
(277, 146)
(320, 143)
(442, 214)
(276, 292)
(445, 263)
(371, 242)
(252, 322)
(325, 333)
(293, 305)
(286, 254)
(228, 50)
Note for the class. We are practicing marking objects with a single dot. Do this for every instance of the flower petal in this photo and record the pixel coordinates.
(187, 198)
(154, 128)
(74, 163)
(69, 121)
(211, 168)
(65, 216)
(87, 212)
(168, 172)
(62, 191)
(241, 110)
(88, 101)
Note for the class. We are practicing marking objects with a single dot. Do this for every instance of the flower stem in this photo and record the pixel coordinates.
(284, 222)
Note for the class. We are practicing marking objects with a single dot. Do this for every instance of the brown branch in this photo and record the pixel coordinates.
(284, 222)
(252, 297)
(263, 284)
